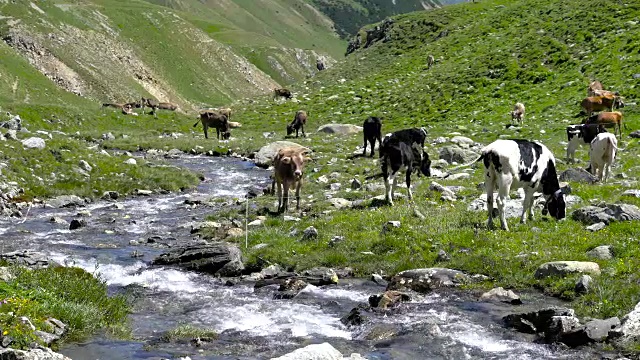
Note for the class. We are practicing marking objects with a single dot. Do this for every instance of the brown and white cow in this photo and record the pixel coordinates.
(285, 93)
(518, 113)
(214, 120)
(288, 167)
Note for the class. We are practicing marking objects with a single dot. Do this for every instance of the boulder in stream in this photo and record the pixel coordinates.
(322, 351)
(33, 354)
(428, 279)
(215, 258)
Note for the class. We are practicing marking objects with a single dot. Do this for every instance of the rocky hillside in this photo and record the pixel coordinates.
(189, 52)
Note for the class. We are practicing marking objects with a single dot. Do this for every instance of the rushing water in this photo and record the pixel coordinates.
(251, 324)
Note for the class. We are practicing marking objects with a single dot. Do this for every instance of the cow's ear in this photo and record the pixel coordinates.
(307, 159)
(286, 160)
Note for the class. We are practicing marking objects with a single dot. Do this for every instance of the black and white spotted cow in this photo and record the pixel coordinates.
(526, 164)
(582, 134)
(400, 150)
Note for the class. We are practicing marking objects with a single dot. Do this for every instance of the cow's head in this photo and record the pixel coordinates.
(555, 205)
(290, 129)
(425, 165)
(618, 102)
(296, 163)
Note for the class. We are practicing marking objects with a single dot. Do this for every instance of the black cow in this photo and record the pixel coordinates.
(403, 149)
(372, 129)
(285, 93)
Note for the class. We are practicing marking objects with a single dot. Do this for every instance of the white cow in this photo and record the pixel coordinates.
(602, 154)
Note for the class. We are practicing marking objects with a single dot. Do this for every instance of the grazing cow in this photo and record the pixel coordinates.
(288, 167)
(430, 61)
(298, 123)
(526, 164)
(285, 93)
(600, 103)
(217, 121)
(518, 113)
(167, 106)
(403, 149)
(372, 130)
(593, 87)
(602, 154)
(127, 109)
(320, 65)
(581, 134)
(607, 119)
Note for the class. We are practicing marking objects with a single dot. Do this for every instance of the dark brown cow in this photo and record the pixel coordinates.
(607, 119)
(372, 130)
(113, 105)
(217, 121)
(285, 93)
(298, 123)
(288, 167)
(167, 106)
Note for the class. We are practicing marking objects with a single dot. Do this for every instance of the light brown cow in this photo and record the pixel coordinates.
(607, 119)
(288, 166)
(593, 87)
(518, 113)
(600, 103)
(430, 61)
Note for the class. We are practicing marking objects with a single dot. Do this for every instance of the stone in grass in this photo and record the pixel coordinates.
(310, 233)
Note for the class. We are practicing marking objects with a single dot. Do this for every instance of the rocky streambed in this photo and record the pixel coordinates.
(118, 239)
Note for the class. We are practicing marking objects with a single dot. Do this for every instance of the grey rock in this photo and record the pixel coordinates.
(635, 134)
(11, 135)
(28, 258)
(110, 195)
(434, 186)
(427, 279)
(340, 129)
(596, 227)
(632, 193)
(390, 225)
(606, 213)
(130, 161)
(356, 184)
(264, 156)
(536, 321)
(34, 143)
(578, 175)
(336, 240)
(77, 224)
(271, 271)
(389, 298)
(108, 136)
(442, 256)
(32, 354)
(563, 268)
(214, 258)
(602, 252)
(5, 274)
(461, 140)
(309, 233)
(418, 214)
(378, 280)
(46, 337)
(290, 288)
(499, 294)
(291, 218)
(453, 154)
(66, 201)
(629, 330)
(142, 192)
(560, 326)
(593, 331)
(324, 274)
(335, 186)
(85, 166)
(340, 203)
(583, 284)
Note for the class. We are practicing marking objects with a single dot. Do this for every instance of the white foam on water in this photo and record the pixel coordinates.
(336, 293)
(266, 317)
(53, 232)
(3, 230)
(162, 279)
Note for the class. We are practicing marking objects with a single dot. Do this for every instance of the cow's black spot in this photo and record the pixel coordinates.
(529, 156)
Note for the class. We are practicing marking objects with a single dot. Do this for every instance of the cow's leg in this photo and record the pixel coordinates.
(364, 151)
(527, 204)
(385, 175)
(218, 133)
(504, 187)
(373, 144)
(205, 127)
(605, 172)
(298, 186)
(155, 115)
(297, 133)
(490, 185)
(408, 179)
(571, 150)
(303, 134)
(394, 182)
(285, 195)
(279, 196)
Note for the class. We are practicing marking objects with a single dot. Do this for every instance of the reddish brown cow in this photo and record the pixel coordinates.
(600, 103)
(607, 119)
(288, 166)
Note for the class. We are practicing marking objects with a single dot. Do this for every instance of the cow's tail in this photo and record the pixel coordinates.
(196, 124)
(469, 163)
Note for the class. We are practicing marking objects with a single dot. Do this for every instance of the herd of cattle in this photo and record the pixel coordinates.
(508, 163)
